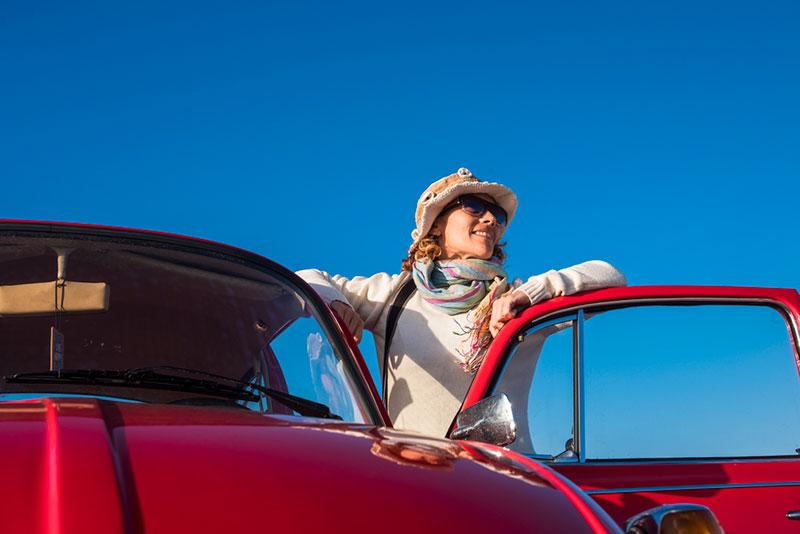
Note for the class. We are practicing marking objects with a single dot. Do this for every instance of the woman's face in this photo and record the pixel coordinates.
(463, 236)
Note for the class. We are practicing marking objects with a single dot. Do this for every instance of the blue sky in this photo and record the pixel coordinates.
(661, 138)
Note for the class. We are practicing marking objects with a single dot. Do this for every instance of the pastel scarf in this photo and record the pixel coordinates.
(458, 286)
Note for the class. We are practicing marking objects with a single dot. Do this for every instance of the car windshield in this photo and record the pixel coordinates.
(199, 317)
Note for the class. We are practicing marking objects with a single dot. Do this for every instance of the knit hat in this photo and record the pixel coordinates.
(442, 192)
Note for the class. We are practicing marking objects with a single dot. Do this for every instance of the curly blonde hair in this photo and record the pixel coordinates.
(428, 248)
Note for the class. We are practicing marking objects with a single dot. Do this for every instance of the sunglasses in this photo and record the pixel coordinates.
(476, 207)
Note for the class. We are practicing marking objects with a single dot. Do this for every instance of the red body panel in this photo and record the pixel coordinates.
(84, 465)
(745, 495)
(739, 509)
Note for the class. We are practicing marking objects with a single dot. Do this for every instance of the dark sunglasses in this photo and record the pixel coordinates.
(477, 206)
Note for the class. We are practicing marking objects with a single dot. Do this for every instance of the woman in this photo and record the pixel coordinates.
(459, 299)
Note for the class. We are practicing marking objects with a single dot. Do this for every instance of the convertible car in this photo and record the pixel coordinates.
(646, 396)
(155, 383)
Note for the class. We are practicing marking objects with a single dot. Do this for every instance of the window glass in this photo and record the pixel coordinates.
(538, 382)
(126, 306)
(690, 381)
(311, 369)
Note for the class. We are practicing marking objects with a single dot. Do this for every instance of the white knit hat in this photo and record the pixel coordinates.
(442, 192)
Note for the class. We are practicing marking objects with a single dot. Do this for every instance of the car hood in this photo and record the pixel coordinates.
(90, 465)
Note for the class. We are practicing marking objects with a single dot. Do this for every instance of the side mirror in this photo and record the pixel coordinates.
(489, 420)
(674, 519)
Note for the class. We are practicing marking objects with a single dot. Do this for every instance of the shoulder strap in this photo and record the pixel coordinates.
(395, 309)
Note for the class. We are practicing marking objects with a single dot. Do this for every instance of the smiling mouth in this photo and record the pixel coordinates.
(486, 235)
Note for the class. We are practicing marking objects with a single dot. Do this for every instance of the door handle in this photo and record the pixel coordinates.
(793, 515)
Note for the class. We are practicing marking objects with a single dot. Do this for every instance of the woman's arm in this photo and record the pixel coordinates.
(593, 274)
(367, 296)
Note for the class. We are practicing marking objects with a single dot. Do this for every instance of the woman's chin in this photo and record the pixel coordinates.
(482, 255)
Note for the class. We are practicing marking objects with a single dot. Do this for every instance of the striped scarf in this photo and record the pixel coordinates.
(458, 286)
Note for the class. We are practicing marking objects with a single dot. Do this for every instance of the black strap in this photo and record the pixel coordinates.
(395, 309)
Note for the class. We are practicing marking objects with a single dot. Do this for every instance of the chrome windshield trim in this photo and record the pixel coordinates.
(659, 489)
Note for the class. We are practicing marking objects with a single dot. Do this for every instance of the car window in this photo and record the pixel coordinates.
(128, 305)
(538, 379)
(690, 382)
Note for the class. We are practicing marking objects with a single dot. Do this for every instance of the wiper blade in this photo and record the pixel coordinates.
(131, 378)
(301, 405)
(152, 378)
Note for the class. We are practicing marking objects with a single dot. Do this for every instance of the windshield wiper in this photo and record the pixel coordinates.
(154, 378)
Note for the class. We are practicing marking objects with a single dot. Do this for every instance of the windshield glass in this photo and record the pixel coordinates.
(112, 305)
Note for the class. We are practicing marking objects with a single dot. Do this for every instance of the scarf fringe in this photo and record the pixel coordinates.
(479, 336)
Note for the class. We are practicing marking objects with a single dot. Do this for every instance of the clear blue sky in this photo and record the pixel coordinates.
(663, 138)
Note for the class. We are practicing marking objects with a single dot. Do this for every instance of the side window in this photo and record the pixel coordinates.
(538, 381)
(690, 381)
(301, 361)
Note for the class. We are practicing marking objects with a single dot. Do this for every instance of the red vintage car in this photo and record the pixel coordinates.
(155, 383)
(645, 396)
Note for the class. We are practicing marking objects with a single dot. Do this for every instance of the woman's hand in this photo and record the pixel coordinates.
(506, 308)
(350, 318)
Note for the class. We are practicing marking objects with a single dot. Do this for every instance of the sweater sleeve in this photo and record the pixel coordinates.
(368, 296)
(593, 274)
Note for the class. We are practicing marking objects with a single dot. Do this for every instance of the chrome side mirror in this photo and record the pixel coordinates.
(489, 420)
(674, 519)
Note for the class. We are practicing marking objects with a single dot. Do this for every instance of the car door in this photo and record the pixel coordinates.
(652, 401)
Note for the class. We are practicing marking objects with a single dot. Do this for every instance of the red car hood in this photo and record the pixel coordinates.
(87, 465)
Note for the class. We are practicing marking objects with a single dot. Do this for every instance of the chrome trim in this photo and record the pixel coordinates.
(489, 420)
(693, 518)
(794, 515)
(579, 397)
(659, 489)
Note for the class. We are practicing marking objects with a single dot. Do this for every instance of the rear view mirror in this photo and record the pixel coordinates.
(674, 519)
(489, 420)
(44, 298)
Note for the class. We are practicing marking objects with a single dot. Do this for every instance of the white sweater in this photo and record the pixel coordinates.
(425, 383)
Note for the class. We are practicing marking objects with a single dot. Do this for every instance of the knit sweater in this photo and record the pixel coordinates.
(425, 384)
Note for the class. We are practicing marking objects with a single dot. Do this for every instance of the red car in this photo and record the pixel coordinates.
(644, 396)
(154, 383)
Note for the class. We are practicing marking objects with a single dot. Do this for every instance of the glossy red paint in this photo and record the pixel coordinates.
(53, 507)
(58, 471)
(121, 467)
(750, 495)
(739, 509)
(594, 515)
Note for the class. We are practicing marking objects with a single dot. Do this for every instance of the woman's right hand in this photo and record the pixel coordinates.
(350, 318)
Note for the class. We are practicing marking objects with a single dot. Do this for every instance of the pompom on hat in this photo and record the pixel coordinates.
(444, 191)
